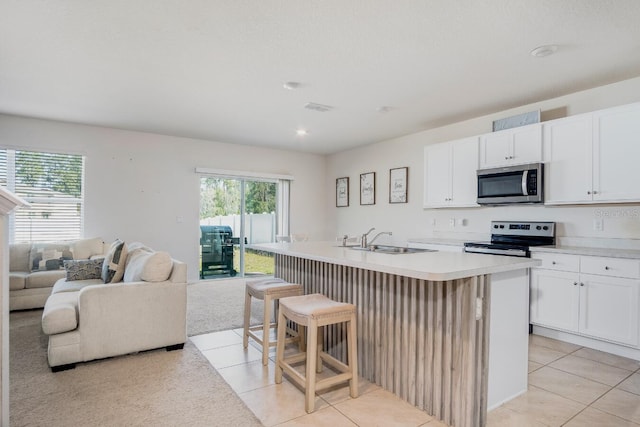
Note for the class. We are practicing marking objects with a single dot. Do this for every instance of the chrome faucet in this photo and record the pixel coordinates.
(363, 238)
(378, 235)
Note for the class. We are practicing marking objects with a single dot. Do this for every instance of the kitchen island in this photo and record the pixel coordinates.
(426, 327)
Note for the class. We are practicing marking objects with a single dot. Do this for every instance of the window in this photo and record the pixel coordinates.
(253, 207)
(53, 185)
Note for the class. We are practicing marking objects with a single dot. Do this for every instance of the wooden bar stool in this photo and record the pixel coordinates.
(313, 312)
(268, 290)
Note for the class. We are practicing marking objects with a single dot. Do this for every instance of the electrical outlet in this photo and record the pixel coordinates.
(598, 224)
(479, 308)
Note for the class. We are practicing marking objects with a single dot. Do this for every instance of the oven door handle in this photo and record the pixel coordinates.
(491, 251)
(525, 176)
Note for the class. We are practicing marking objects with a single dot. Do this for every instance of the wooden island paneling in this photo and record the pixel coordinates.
(425, 340)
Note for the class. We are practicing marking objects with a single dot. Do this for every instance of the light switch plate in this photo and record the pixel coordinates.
(598, 224)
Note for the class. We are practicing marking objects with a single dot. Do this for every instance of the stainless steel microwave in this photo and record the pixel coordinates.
(511, 184)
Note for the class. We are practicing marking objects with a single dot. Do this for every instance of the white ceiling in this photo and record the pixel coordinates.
(214, 69)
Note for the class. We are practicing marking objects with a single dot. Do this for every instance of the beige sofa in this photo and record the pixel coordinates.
(30, 289)
(88, 319)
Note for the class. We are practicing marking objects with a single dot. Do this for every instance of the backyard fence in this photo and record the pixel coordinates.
(259, 228)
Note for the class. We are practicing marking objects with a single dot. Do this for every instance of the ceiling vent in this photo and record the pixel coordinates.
(318, 107)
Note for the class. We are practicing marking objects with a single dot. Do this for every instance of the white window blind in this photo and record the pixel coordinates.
(53, 184)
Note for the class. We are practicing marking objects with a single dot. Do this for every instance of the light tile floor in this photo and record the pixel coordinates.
(568, 386)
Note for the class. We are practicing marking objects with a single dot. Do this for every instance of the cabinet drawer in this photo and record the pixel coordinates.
(562, 262)
(616, 267)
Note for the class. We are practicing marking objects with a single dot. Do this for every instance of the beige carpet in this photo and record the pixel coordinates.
(218, 305)
(154, 388)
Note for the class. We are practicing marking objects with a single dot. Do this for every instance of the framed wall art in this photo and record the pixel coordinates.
(368, 188)
(342, 192)
(398, 179)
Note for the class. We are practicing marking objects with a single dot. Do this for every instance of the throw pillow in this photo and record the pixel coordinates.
(114, 262)
(83, 269)
(147, 266)
(86, 248)
(158, 267)
(49, 256)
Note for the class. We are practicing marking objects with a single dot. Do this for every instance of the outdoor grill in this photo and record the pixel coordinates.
(216, 250)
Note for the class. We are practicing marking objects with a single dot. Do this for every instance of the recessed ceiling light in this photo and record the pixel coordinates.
(291, 85)
(302, 132)
(546, 50)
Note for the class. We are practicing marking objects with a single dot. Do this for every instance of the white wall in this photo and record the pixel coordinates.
(410, 220)
(137, 184)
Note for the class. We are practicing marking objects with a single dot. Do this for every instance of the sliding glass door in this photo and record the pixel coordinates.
(235, 213)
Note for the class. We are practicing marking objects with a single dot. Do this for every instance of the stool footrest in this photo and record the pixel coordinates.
(294, 375)
(260, 327)
(334, 362)
(293, 337)
(331, 381)
(296, 358)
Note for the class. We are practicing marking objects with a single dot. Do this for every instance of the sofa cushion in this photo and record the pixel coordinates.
(86, 248)
(147, 266)
(114, 262)
(44, 279)
(83, 269)
(19, 256)
(60, 313)
(49, 256)
(63, 285)
(17, 280)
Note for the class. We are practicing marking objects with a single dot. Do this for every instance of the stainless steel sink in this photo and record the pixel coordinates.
(391, 249)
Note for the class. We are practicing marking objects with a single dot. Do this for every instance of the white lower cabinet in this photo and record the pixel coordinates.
(601, 306)
(555, 299)
(609, 308)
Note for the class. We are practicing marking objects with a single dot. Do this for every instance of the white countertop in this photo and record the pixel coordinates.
(435, 266)
(438, 241)
(581, 250)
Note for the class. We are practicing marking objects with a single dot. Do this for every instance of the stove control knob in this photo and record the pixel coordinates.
(538, 227)
(501, 226)
(545, 228)
(495, 226)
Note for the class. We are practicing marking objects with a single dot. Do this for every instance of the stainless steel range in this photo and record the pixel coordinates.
(513, 238)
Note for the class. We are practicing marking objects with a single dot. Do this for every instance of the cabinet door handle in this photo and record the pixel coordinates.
(581, 284)
(553, 262)
(606, 267)
(575, 283)
(588, 192)
(595, 192)
(506, 157)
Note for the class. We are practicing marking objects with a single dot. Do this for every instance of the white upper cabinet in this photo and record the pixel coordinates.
(616, 151)
(592, 158)
(567, 157)
(511, 146)
(450, 174)
(437, 175)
